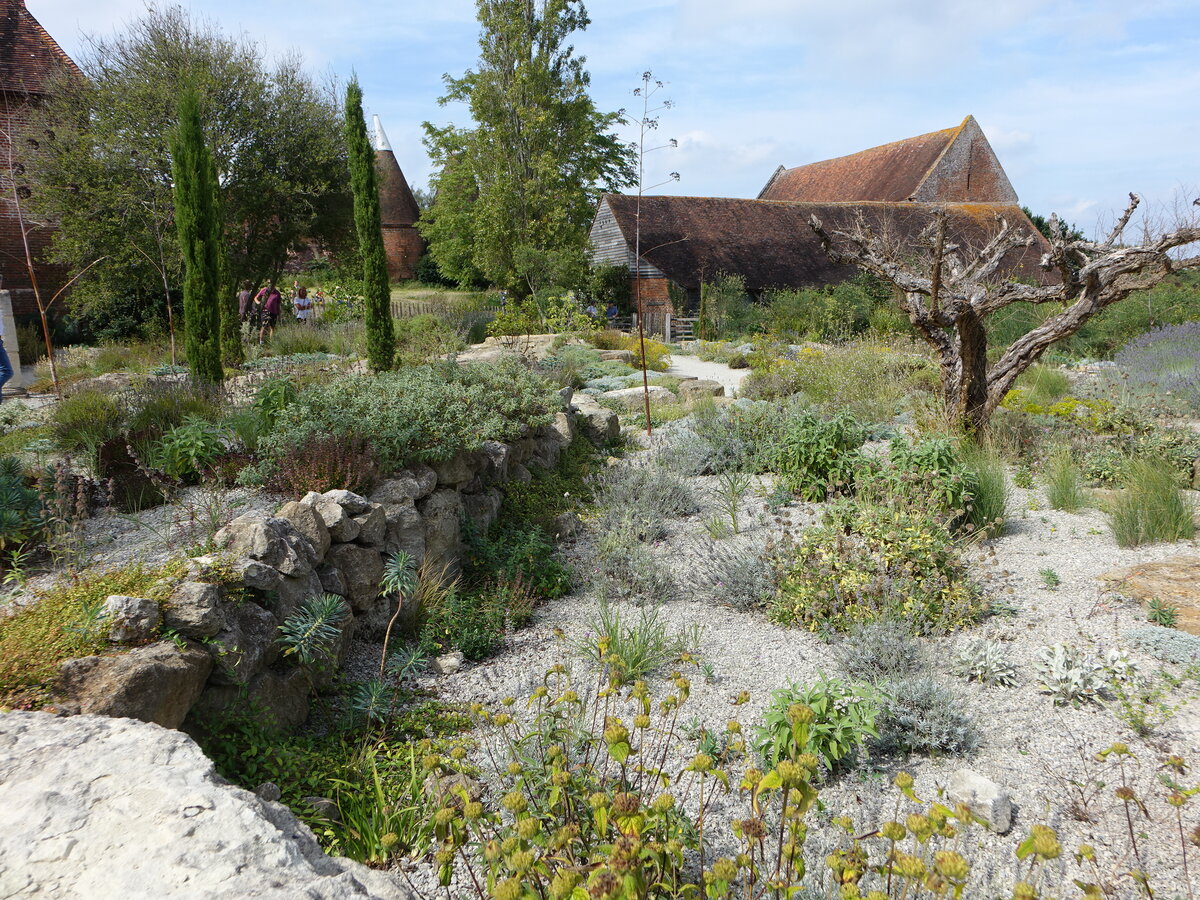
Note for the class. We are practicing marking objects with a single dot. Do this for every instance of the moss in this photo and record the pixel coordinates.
(62, 623)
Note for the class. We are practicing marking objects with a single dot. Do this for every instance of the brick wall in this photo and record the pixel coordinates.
(14, 276)
(403, 246)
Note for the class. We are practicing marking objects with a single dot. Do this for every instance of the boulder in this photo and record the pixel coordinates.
(1174, 580)
(407, 486)
(625, 356)
(342, 528)
(372, 526)
(113, 809)
(481, 509)
(520, 474)
(632, 397)
(194, 609)
(600, 424)
(131, 620)
(405, 531)
(566, 526)
(497, 456)
(332, 580)
(293, 591)
(461, 468)
(701, 387)
(156, 684)
(551, 440)
(281, 699)
(352, 503)
(362, 570)
(989, 802)
(308, 522)
(272, 541)
(441, 514)
(245, 646)
(449, 664)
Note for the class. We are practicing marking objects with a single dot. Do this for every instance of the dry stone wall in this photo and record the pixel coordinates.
(225, 617)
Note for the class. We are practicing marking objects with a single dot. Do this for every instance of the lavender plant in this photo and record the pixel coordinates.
(1164, 363)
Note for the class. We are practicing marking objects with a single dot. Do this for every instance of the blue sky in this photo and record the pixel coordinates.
(1083, 100)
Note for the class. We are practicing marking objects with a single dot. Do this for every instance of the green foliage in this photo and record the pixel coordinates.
(987, 505)
(843, 719)
(726, 310)
(82, 422)
(470, 621)
(63, 622)
(641, 497)
(870, 562)
(522, 226)
(188, 450)
(1159, 612)
(546, 315)
(922, 716)
(832, 313)
(1043, 384)
(381, 339)
(383, 809)
(1151, 508)
(1050, 579)
(609, 284)
(630, 651)
(987, 662)
(422, 414)
(815, 457)
(309, 634)
(322, 462)
(22, 514)
(1063, 483)
(523, 553)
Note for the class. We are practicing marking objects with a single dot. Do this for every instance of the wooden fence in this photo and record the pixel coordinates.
(670, 328)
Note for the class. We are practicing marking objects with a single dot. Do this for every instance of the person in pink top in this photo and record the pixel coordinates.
(270, 313)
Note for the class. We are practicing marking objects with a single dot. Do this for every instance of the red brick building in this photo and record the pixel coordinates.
(896, 188)
(398, 212)
(28, 58)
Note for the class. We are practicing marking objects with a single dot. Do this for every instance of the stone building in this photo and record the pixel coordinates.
(896, 189)
(398, 212)
(28, 58)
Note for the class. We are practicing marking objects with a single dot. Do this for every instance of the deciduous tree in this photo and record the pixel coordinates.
(948, 292)
(516, 192)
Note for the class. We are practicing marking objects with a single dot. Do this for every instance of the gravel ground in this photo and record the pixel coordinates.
(1030, 746)
(694, 367)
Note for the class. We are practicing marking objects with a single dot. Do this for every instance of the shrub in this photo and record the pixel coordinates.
(324, 463)
(642, 497)
(1151, 509)
(737, 576)
(521, 554)
(1063, 488)
(630, 651)
(472, 622)
(422, 414)
(22, 514)
(919, 715)
(879, 652)
(1043, 384)
(188, 450)
(157, 407)
(1069, 676)
(289, 340)
(82, 422)
(843, 719)
(625, 568)
(869, 562)
(728, 437)
(1164, 363)
(657, 353)
(813, 456)
(1171, 646)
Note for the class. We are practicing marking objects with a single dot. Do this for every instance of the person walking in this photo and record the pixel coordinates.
(6, 366)
(270, 313)
(245, 303)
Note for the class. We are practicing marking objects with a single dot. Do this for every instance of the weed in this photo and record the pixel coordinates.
(1050, 579)
(1159, 612)
(732, 486)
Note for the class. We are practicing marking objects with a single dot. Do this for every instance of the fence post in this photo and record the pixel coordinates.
(633, 322)
(667, 328)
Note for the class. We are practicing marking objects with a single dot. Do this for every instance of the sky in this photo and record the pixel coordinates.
(1083, 100)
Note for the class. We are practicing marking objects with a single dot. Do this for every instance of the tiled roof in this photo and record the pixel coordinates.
(28, 55)
(397, 206)
(952, 165)
(693, 239)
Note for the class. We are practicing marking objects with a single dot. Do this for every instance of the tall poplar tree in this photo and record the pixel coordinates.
(198, 223)
(516, 193)
(381, 332)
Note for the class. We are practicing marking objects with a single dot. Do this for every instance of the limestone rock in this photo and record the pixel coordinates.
(112, 809)
(372, 526)
(245, 646)
(323, 806)
(701, 387)
(156, 684)
(631, 397)
(520, 474)
(442, 513)
(449, 664)
(988, 801)
(293, 591)
(194, 609)
(362, 570)
(461, 468)
(281, 699)
(405, 531)
(131, 620)
(309, 523)
(408, 485)
(268, 791)
(481, 509)
(625, 356)
(497, 456)
(1174, 580)
(354, 504)
(332, 580)
(600, 424)
(341, 526)
(271, 540)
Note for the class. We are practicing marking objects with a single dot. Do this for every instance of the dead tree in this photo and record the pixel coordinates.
(949, 294)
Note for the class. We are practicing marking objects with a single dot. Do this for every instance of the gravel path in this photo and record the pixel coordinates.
(694, 367)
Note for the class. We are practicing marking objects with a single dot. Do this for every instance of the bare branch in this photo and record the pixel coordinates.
(1119, 228)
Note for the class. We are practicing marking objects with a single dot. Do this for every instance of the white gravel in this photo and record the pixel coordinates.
(694, 367)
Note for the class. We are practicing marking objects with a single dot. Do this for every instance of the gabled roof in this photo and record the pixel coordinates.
(952, 165)
(694, 239)
(28, 55)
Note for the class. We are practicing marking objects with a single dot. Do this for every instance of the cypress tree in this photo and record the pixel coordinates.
(199, 230)
(231, 326)
(381, 334)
